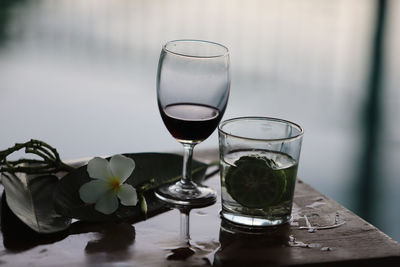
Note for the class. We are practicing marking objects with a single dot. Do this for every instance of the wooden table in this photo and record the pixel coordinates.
(213, 241)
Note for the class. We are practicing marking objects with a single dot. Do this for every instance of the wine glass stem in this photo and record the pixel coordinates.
(186, 180)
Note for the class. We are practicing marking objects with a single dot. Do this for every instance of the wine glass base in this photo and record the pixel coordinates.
(197, 197)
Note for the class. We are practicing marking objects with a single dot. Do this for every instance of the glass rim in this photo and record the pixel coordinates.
(299, 135)
(195, 56)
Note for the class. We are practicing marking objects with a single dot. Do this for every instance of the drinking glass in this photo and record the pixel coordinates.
(193, 83)
(259, 157)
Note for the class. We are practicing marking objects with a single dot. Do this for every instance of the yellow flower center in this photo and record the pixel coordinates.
(114, 183)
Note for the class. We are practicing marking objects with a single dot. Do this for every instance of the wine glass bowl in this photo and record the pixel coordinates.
(193, 83)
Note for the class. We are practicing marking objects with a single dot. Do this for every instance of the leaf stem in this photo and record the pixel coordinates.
(50, 159)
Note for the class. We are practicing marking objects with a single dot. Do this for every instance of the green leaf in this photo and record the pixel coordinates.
(152, 170)
(30, 198)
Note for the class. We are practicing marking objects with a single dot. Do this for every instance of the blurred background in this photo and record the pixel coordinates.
(80, 75)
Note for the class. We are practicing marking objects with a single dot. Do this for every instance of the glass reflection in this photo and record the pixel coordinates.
(244, 246)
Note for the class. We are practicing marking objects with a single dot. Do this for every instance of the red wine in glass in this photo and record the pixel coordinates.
(190, 122)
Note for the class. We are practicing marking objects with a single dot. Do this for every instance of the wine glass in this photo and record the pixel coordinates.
(193, 83)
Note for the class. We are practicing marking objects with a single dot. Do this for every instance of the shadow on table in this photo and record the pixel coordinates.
(111, 236)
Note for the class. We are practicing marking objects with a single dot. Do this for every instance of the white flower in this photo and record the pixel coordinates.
(108, 185)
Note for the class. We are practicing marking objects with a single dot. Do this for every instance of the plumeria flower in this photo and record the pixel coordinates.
(109, 184)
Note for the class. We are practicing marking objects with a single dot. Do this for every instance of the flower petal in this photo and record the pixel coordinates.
(122, 166)
(128, 196)
(108, 203)
(93, 190)
(99, 168)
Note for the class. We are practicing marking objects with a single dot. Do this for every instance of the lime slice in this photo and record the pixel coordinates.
(254, 183)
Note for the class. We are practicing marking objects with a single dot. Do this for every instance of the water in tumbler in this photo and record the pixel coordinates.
(257, 187)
